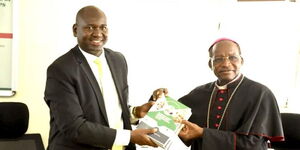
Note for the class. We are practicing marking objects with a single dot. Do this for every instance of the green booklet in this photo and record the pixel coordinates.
(162, 115)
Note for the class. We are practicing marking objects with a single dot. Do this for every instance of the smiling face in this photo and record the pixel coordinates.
(225, 60)
(91, 30)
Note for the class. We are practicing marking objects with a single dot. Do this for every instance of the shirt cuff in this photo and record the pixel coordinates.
(122, 137)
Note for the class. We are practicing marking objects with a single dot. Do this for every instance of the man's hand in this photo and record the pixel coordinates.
(190, 131)
(158, 93)
(141, 111)
(140, 137)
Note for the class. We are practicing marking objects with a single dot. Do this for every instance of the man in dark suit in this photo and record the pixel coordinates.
(88, 104)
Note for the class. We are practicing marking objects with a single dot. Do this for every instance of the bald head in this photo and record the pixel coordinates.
(91, 30)
(89, 11)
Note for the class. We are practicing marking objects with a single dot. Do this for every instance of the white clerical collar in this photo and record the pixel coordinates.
(222, 87)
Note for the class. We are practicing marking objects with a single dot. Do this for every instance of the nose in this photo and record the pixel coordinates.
(97, 32)
(226, 61)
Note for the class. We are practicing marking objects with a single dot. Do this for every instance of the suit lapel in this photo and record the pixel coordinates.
(114, 68)
(92, 80)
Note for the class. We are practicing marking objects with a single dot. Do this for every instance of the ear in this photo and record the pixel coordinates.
(210, 64)
(242, 61)
(75, 30)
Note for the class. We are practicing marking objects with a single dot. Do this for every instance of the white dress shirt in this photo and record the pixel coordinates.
(110, 95)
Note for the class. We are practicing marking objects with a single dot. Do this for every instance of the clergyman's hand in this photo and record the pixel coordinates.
(140, 137)
(141, 111)
(190, 131)
(158, 93)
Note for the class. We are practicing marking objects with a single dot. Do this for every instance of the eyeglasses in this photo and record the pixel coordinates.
(232, 59)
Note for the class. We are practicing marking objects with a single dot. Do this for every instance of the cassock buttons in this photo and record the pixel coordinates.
(216, 125)
(222, 91)
(218, 116)
(221, 99)
(219, 107)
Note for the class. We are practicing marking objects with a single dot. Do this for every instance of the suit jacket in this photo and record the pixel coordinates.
(78, 119)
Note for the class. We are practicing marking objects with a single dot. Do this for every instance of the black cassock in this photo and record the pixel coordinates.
(246, 121)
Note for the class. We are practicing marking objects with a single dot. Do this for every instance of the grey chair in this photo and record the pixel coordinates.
(291, 128)
(14, 117)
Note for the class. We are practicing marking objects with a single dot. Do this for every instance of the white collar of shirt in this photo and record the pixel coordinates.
(90, 58)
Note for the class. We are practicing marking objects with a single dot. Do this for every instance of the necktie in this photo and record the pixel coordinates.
(100, 72)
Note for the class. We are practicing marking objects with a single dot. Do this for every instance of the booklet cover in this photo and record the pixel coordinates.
(162, 115)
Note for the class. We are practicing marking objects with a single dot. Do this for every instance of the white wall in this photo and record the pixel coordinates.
(158, 38)
(165, 43)
(270, 40)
